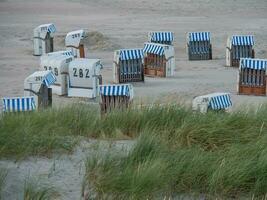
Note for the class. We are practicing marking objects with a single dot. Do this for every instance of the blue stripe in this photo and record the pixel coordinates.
(23, 104)
(129, 54)
(18, 103)
(28, 103)
(250, 63)
(13, 104)
(154, 49)
(162, 37)
(8, 105)
(115, 90)
(243, 40)
(220, 102)
(49, 79)
(199, 36)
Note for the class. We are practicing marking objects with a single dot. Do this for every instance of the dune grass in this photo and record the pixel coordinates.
(152, 170)
(35, 190)
(177, 151)
(3, 174)
(41, 133)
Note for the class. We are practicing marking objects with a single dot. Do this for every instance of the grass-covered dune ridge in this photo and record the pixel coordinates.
(57, 129)
(177, 150)
(153, 170)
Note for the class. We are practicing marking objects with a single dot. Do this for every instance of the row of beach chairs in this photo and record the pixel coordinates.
(155, 58)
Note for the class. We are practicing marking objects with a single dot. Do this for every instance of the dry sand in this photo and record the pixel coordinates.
(63, 172)
(116, 24)
(125, 23)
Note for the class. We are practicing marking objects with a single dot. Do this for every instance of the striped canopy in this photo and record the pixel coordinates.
(130, 54)
(199, 36)
(243, 40)
(45, 77)
(49, 79)
(116, 90)
(220, 101)
(162, 36)
(154, 48)
(16, 104)
(250, 63)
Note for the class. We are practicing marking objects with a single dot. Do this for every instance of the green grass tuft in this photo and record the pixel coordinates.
(34, 190)
(177, 151)
(3, 174)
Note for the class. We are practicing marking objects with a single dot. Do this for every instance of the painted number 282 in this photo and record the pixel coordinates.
(81, 73)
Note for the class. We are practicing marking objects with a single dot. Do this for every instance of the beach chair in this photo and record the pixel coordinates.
(58, 64)
(84, 78)
(18, 104)
(115, 96)
(213, 101)
(74, 42)
(239, 46)
(161, 37)
(37, 85)
(252, 76)
(43, 39)
(128, 65)
(159, 60)
(199, 46)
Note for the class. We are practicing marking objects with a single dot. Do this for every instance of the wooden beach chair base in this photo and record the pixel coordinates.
(252, 90)
(110, 103)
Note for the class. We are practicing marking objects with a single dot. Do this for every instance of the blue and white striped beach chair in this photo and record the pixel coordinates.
(18, 104)
(115, 96)
(239, 46)
(128, 65)
(213, 101)
(199, 46)
(161, 37)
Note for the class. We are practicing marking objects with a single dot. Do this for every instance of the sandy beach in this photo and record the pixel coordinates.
(125, 24)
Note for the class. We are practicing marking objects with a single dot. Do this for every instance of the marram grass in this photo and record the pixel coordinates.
(154, 170)
(41, 133)
(178, 151)
(35, 190)
(3, 174)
